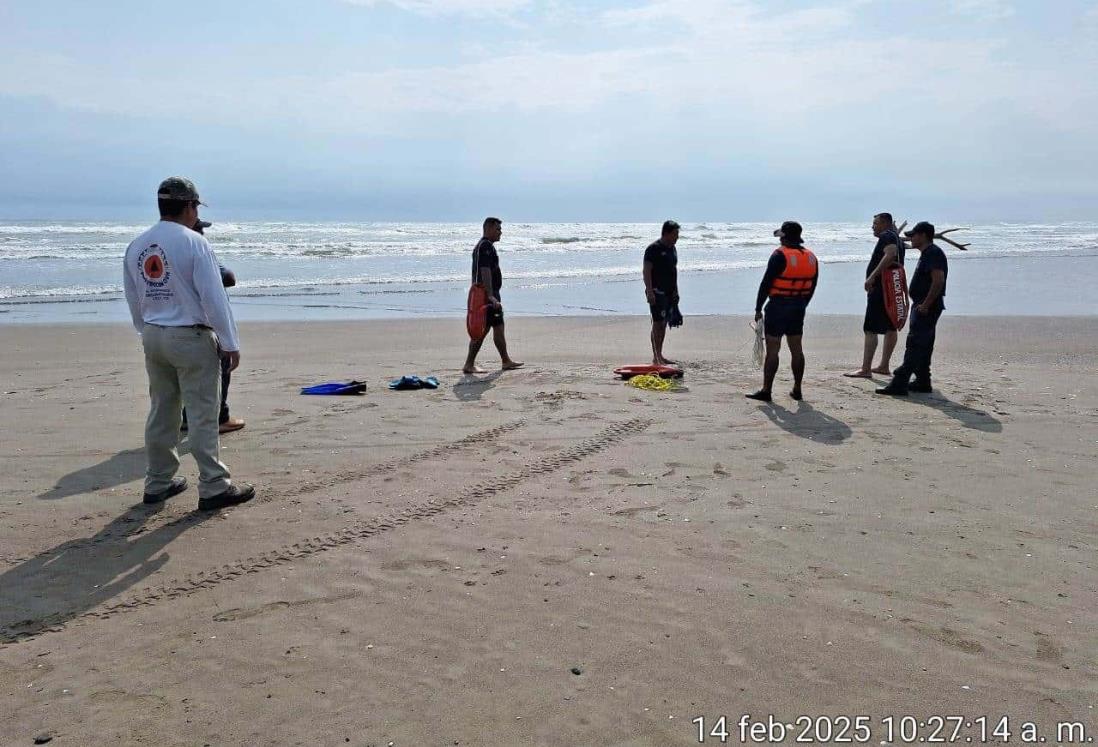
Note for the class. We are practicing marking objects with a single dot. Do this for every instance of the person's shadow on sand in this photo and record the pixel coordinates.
(121, 468)
(63, 582)
(969, 417)
(808, 422)
(471, 387)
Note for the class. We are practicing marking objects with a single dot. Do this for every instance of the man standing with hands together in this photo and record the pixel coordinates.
(928, 288)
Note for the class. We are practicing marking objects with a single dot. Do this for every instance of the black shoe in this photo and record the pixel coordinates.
(796, 394)
(922, 388)
(179, 484)
(231, 497)
(895, 391)
(762, 395)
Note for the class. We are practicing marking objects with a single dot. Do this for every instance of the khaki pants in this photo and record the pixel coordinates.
(184, 368)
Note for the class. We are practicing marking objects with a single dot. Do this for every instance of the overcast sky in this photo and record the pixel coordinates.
(956, 110)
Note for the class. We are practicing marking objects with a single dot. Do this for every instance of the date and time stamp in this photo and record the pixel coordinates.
(886, 730)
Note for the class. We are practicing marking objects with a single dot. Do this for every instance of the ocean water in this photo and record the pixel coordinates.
(71, 271)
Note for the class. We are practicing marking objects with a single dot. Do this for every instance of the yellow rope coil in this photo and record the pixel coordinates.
(651, 382)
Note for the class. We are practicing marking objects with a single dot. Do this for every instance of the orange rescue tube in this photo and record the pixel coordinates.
(894, 285)
(664, 372)
(476, 314)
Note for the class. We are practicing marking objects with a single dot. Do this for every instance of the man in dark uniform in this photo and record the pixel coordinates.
(928, 288)
(789, 283)
(888, 252)
(661, 286)
(225, 422)
(486, 272)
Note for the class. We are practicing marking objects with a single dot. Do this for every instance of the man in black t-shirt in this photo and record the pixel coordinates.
(888, 252)
(661, 286)
(928, 288)
(486, 272)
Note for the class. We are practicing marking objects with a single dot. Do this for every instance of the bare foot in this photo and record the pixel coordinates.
(512, 365)
(859, 374)
(883, 370)
(474, 370)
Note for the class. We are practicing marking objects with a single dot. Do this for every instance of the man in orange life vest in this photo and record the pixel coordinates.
(789, 282)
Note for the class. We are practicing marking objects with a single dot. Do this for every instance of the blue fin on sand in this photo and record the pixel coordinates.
(336, 388)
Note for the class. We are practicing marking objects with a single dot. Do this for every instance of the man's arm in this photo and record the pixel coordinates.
(131, 299)
(214, 300)
(815, 284)
(774, 268)
(937, 282)
(887, 260)
(649, 292)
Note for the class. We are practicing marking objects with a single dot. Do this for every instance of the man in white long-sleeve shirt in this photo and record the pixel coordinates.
(180, 309)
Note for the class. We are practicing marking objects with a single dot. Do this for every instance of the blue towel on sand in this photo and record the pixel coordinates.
(413, 382)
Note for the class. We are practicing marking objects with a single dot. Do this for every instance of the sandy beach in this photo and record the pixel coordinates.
(547, 556)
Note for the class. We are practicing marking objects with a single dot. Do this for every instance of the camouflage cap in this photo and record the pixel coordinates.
(177, 188)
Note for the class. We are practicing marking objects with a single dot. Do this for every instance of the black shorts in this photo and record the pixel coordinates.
(661, 309)
(877, 321)
(783, 319)
(495, 316)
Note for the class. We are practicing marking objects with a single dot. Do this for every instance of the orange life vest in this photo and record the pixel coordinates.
(798, 277)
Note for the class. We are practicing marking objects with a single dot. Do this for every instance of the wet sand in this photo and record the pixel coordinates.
(431, 568)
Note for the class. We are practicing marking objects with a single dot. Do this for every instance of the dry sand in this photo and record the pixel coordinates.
(427, 568)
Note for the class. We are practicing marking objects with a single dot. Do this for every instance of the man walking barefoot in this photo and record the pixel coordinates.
(486, 272)
(888, 252)
(789, 283)
(179, 307)
(661, 286)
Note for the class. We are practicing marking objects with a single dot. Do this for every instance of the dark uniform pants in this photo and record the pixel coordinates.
(920, 348)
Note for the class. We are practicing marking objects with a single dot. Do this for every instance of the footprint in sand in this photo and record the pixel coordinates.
(948, 637)
(1047, 648)
(243, 613)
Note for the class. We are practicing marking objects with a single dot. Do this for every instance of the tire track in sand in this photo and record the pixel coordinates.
(353, 533)
(183, 521)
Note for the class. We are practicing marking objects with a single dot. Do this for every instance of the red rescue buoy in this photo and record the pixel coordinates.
(894, 285)
(664, 372)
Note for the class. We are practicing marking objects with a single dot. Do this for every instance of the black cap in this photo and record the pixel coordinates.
(926, 229)
(791, 232)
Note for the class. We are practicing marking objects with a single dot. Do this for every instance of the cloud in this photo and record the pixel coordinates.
(695, 88)
(988, 10)
(451, 7)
